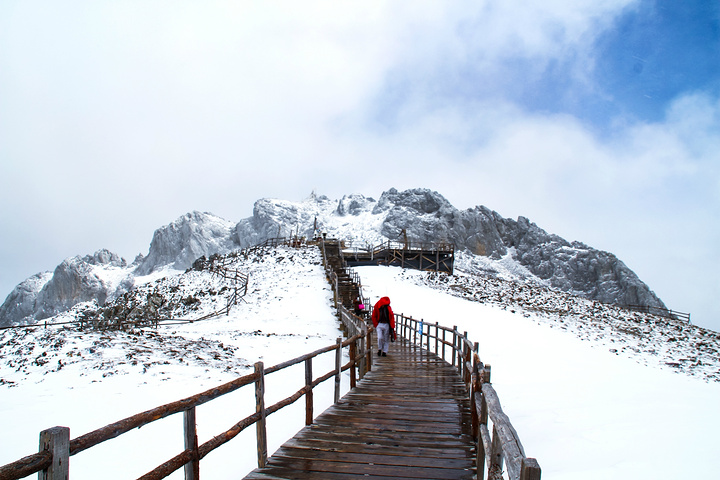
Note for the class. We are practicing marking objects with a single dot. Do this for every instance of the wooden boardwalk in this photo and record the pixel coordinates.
(408, 418)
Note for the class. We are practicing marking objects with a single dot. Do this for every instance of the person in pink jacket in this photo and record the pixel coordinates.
(383, 320)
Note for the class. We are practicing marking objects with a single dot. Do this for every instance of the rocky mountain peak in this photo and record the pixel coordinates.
(488, 243)
(419, 200)
(105, 257)
(354, 204)
(189, 237)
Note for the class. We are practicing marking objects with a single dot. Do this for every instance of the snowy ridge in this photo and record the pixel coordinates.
(646, 338)
(187, 296)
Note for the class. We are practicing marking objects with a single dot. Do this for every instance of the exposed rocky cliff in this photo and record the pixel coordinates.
(104, 276)
(189, 237)
(98, 277)
(486, 243)
(425, 216)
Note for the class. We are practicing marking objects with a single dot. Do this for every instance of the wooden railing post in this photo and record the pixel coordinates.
(427, 340)
(260, 408)
(56, 440)
(482, 419)
(443, 344)
(368, 347)
(460, 356)
(362, 366)
(437, 338)
(529, 469)
(353, 369)
(192, 468)
(454, 349)
(309, 393)
(467, 361)
(338, 367)
(496, 456)
(336, 291)
(475, 387)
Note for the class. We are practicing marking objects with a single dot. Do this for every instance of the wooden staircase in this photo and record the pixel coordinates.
(349, 287)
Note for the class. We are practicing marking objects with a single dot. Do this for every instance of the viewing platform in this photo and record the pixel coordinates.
(436, 257)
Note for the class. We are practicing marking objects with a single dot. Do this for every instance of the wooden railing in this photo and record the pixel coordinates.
(350, 248)
(421, 256)
(56, 447)
(332, 276)
(503, 445)
(659, 311)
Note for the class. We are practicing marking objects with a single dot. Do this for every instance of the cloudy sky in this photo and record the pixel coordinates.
(597, 119)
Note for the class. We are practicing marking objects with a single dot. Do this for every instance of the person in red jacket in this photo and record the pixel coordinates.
(383, 320)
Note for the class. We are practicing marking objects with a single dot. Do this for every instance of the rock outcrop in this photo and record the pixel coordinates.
(189, 237)
(98, 277)
(19, 306)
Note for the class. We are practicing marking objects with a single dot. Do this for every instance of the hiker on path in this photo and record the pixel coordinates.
(383, 320)
(359, 307)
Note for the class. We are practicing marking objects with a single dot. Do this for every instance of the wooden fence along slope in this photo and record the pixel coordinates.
(485, 430)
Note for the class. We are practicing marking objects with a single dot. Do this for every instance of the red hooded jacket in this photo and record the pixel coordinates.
(376, 312)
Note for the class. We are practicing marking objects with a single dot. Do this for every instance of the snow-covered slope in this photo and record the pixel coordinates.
(85, 379)
(590, 398)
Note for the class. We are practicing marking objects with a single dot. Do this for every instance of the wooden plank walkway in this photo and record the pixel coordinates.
(409, 418)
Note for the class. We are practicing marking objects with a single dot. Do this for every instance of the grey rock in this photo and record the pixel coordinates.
(274, 218)
(105, 257)
(75, 280)
(19, 306)
(189, 237)
(427, 217)
(420, 214)
(354, 204)
(72, 282)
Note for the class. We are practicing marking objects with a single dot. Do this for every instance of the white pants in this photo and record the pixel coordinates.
(383, 334)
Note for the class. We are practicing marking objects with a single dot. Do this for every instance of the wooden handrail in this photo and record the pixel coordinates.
(396, 245)
(26, 466)
(494, 448)
(662, 312)
(42, 461)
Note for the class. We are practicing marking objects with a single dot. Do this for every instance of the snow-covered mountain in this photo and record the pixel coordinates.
(486, 244)
(583, 382)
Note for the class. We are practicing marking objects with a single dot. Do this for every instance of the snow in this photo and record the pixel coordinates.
(584, 411)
